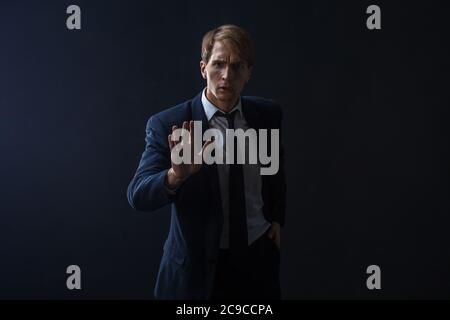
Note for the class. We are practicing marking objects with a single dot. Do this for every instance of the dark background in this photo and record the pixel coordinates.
(365, 131)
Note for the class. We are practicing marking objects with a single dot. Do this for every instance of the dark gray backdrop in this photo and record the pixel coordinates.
(365, 131)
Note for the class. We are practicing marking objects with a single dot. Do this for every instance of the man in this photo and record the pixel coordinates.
(224, 236)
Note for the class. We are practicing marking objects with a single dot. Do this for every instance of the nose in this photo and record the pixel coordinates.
(226, 73)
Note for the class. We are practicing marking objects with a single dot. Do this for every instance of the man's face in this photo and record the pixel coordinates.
(226, 74)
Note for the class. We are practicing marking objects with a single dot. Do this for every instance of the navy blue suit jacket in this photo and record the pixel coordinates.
(188, 263)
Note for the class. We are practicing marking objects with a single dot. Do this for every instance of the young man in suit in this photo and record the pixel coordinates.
(226, 219)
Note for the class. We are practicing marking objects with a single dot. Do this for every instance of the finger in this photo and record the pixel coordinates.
(169, 139)
(174, 142)
(207, 143)
(191, 131)
(180, 137)
(185, 125)
(191, 139)
(274, 232)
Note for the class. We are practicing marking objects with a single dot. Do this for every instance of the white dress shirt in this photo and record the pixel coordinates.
(256, 222)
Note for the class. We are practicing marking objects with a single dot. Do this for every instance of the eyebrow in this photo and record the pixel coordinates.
(223, 60)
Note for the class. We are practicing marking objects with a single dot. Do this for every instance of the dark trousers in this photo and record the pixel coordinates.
(254, 277)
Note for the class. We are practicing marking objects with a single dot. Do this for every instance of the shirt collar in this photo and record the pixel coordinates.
(211, 109)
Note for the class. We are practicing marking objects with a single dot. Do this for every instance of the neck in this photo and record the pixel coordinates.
(225, 106)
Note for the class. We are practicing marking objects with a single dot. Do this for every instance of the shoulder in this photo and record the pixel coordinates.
(266, 106)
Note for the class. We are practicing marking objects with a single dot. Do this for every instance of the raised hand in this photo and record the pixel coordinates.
(178, 173)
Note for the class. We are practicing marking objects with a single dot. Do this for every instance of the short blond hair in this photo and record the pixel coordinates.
(234, 35)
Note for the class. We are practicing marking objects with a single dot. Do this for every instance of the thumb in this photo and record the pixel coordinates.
(271, 233)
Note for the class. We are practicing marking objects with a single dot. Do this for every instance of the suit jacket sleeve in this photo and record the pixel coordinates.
(147, 190)
(279, 190)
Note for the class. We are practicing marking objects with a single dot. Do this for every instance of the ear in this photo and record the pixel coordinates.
(202, 69)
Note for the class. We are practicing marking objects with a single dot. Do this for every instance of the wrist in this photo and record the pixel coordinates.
(172, 181)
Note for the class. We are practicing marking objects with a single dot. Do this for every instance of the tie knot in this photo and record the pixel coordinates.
(229, 116)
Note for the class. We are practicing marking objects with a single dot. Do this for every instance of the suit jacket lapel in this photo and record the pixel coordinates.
(251, 114)
(254, 120)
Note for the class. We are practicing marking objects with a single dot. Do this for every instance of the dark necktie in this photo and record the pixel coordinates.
(237, 210)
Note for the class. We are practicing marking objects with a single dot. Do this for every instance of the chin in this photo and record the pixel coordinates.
(225, 98)
(225, 95)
